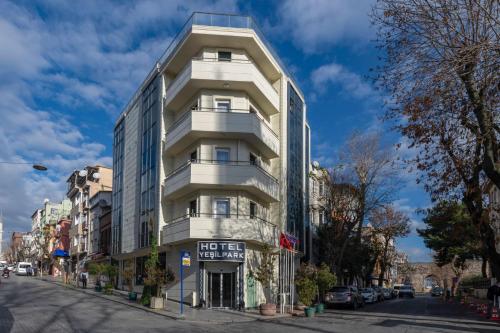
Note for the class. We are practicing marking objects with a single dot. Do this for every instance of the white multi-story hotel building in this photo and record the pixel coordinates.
(211, 156)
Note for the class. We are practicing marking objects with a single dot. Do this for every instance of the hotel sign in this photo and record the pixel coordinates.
(221, 251)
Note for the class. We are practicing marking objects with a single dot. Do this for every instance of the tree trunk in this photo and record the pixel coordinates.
(483, 267)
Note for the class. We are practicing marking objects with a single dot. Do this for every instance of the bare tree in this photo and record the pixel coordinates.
(448, 49)
(388, 224)
(369, 167)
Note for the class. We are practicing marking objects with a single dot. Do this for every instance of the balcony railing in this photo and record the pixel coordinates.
(186, 115)
(220, 162)
(209, 19)
(220, 226)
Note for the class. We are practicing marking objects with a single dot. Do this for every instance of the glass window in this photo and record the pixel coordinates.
(222, 155)
(192, 208)
(224, 56)
(221, 207)
(253, 159)
(194, 156)
(223, 105)
(253, 209)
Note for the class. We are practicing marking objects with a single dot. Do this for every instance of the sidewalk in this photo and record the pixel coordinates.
(215, 316)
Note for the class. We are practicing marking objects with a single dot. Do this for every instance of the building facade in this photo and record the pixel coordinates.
(494, 211)
(211, 157)
(100, 225)
(318, 207)
(82, 185)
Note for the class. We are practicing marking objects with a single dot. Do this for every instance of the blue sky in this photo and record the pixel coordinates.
(68, 68)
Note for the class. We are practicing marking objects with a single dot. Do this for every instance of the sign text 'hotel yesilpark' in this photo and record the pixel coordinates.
(221, 251)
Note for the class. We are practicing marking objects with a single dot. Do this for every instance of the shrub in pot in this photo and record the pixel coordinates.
(307, 290)
(325, 280)
(265, 275)
(128, 277)
(108, 288)
(154, 280)
(97, 270)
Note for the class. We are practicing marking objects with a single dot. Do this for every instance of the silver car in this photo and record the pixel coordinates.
(344, 296)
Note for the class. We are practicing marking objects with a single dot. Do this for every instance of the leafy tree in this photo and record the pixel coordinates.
(451, 235)
(155, 275)
(325, 279)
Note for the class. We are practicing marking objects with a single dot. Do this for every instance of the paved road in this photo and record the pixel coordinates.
(29, 305)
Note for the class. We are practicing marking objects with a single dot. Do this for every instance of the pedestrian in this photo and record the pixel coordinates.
(84, 279)
(492, 296)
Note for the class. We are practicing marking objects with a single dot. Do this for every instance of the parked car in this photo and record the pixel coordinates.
(395, 289)
(378, 292)
(22, 268)
(437, 291)
(344, 296)
(369, 295)
(406, 291)
(386, 292)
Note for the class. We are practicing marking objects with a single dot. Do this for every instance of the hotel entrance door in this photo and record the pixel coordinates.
(221, 290)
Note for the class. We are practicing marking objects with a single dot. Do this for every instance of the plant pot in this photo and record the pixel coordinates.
(309, 312)
(132, 296)
(156, 303)
(98, 288)
(267, 309)
(320, 308)
(108, 291)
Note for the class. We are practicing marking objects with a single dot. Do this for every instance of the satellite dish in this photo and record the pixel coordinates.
(82, 173)
(96, 175)
(316, 164)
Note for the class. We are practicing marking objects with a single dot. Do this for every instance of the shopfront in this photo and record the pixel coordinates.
(221, 269)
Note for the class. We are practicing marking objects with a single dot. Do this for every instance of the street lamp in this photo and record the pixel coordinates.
(36, 166)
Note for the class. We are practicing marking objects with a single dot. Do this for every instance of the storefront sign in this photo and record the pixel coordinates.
(221, 251)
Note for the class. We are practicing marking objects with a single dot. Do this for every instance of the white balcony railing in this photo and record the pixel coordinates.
(242, 175)
(211, 123)
(212, 226)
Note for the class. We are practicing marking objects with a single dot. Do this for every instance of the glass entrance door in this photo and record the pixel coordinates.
(221, 290)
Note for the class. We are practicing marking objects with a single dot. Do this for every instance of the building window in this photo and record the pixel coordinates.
(321, 188)
(224, 56)
(221, 207)
(192, 208)
(253, 209)
(222, 155)
(194, 156)
(253, 159)
(223, 105)
(321, 217)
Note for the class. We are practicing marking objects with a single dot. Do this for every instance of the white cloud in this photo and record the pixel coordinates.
(79, 56)
(349, 82)
(315, 25)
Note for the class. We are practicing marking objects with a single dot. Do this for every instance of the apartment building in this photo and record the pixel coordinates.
(100, 225)
(82, 185)
(211, 157)
(318, 209)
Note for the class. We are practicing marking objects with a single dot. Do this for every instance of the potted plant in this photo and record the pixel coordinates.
(154, 280)
(108, 288)
(97, 270)
(265, 275)
(128, 277)
(325, 280)
(307, 290)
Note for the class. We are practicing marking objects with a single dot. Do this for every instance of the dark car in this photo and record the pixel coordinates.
(437, 291)
(344, 296)
(406, 291)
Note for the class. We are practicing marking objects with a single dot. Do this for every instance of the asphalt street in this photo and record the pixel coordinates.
(30, 305)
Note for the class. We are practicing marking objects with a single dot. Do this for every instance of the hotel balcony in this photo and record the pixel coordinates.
(208, 123)
(229, 75)
(211, 226)
(230, 175)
